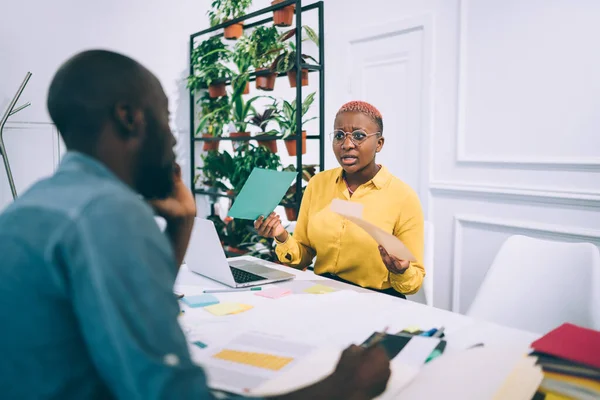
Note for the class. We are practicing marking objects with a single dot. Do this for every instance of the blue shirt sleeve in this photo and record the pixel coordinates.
(122, 270)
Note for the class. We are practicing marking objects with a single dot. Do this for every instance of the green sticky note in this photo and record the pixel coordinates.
(261, 193)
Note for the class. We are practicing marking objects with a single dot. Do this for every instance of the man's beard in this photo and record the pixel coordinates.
(156, 182)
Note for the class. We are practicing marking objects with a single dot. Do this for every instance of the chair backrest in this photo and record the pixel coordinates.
(537, 285)
(425, 295)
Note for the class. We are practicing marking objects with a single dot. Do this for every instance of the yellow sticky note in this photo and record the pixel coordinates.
(319, 289)
(227, 308)
(259, 360)
(412, 329)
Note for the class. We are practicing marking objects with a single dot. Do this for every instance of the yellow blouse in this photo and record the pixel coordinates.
(344, 249)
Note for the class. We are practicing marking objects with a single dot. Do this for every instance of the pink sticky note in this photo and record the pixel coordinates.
(274, 293)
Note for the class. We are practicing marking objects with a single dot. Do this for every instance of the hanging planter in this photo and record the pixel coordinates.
(234, 31)
(291, 213)
(269, 144)
(265, 79)
(290, 145)
(212, 145)
(292, 77)
(216, 90)
(247, 88)
(283, 16)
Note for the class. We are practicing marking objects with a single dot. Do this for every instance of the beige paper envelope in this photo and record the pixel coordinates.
(353, 212)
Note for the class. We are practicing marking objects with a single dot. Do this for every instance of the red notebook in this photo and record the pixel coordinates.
(573, 343)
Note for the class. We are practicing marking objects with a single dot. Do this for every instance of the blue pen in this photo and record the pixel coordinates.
(429, 333)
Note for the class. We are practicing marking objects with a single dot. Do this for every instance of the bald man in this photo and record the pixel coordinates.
(86, 275)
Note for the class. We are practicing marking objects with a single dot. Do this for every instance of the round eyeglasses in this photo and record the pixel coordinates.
(357, 137)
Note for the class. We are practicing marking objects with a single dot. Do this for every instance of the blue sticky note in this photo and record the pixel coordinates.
(200, 344)
(202, 300)
(261, 193)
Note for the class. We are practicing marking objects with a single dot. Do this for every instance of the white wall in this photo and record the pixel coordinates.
(510, 147)
(39, 37)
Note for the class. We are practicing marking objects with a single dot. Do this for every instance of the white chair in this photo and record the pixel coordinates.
(537, 285)
(425, 294)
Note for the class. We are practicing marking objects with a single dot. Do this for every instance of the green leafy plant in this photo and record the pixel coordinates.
(264, 46)
(262, 119)
(216, 168)
(243, 61)
(208, 64)
(241, 109)
(286, 60)
(246, 159)
(225, 10)
(286, 116)
(215, 115)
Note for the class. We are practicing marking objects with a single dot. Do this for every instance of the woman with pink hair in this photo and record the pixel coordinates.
(343, 250)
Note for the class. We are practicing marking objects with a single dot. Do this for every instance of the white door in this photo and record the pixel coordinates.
(387, 71)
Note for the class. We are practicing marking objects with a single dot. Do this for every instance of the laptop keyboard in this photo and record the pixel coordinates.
(240, 276)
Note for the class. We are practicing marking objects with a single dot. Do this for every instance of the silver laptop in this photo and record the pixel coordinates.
(206, 257)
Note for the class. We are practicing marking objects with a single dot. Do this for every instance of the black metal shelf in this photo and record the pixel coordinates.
(214, 194)
(320, 69)
(254, 15)
(249, 138)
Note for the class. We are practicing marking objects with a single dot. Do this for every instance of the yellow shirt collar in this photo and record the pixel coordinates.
(379, 180)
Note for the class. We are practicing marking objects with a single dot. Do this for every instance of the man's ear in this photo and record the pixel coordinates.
(380, 143)
(129, 120)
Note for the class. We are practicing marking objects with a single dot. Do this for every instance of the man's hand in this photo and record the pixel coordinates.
(271, 227)
(364, 372)
(394, 265)
(180, 204)
(179, 210)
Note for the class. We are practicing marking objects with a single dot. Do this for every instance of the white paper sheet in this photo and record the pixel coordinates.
(353, 212)
(475, 374)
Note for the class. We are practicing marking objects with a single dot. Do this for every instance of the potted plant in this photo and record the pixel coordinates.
(286, 119)
(264, 46)
(216, 167)
(215, 115)
(240, 112)
(286, 60)
(261, 120)
(226, 10)
(208, 66)
(289, 200)
(284, 16)
(246, 159)
(243, 61)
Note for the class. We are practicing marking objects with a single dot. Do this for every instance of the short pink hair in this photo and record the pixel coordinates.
(364, 108)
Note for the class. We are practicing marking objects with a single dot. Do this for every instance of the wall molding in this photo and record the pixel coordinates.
(547, 195)
(511, 226)
(484, 160)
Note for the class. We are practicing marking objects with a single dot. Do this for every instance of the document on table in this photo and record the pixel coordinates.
(405, 366)
(353, 212)
(250, 360)
(261, 193)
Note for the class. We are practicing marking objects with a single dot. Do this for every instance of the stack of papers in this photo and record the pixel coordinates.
(570, 358)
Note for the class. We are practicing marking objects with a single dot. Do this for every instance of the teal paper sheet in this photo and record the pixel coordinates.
(261, 193)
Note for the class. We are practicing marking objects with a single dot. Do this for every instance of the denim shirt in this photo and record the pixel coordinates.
(87, 309)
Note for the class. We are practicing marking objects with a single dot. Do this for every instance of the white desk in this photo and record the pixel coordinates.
(332, 320)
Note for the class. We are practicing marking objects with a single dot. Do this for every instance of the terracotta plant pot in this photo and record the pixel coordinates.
(283, 16)
(247, 89)
(212, 145)
(291, 214)
(292, 77)
(236, 145)
(217, 90)
(233, 32)
(265, 79)
(269, 144)
(290, 145)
